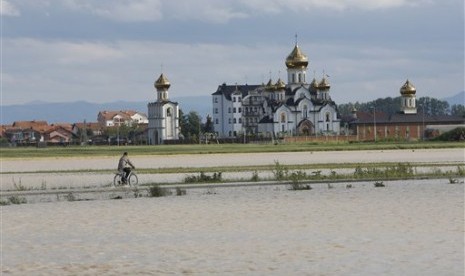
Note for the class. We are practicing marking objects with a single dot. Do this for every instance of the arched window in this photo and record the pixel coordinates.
(328, 117)
(283, 117)
(304, 111)
(168, 112)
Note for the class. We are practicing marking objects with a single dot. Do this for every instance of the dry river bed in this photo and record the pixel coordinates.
(40, 173)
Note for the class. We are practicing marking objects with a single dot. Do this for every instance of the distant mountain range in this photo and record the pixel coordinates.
(73, 112)
(458, 98)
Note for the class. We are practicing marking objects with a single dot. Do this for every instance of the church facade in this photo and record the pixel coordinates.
(163, 115)
(277, 109)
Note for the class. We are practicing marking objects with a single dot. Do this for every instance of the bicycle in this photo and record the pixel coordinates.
(132, 179)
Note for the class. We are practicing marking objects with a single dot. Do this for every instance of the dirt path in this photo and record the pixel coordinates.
(239, 159)
(39, 172)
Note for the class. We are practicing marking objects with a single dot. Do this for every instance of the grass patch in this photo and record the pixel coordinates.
(400, 170)
(204, 178)
(92, 151)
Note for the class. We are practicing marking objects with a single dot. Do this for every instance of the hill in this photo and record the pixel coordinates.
(458, 98)
(72, 112)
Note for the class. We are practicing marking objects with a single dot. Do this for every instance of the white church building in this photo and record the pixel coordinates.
(277, 109)
(163, 115)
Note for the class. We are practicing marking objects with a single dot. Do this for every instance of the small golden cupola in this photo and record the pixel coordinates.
(280, 85)
(408, 98)
(296, 59)
(162, 83)
(314, 84)
(270, 86)
(324, 84)
(408, 89)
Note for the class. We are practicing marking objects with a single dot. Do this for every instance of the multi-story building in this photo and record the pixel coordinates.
(277, 109)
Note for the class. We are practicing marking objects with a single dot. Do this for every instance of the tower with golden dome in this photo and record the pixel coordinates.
(296, 63)
(277, 109)
(408, 98)
(163, 115)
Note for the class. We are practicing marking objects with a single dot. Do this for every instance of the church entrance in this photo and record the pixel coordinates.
(155, 138)
(305, 127)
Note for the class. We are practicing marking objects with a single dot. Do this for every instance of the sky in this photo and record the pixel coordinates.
(113, 50)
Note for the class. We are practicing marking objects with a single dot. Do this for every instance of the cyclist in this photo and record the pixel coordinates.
(124, 167)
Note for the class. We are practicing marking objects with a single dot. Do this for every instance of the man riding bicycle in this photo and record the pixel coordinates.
(124, 167)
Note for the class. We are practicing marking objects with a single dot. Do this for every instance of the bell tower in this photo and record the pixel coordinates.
(408, 100)
(162, 85)
(163, 115)
(296, 63)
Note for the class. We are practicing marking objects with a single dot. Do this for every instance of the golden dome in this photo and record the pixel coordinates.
(270, 86)
(162, 82)
(280, 84)
(314, 84)
(408, 89)
(296, 59)
(324, 84)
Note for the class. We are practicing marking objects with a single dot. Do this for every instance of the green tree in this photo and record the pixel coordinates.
(190, 124)
(208, 126)
(457, 110)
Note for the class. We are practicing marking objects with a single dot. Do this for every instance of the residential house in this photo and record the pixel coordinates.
(33, 132)
(91, 128)
(122, 117)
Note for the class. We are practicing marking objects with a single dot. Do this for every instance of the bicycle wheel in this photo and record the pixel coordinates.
(133, 180)
(117, 180)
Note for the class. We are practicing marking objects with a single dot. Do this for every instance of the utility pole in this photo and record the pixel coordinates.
(374, 121)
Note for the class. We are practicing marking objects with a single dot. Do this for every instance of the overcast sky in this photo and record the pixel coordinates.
(110, 50)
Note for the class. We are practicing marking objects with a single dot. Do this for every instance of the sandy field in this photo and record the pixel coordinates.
(240, 159)
(25, 171)
(406, 228)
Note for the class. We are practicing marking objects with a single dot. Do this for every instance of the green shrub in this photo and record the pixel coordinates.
(203, 177)
(280, 172)
(157, 191)
(461, 170)
(17, 200)
(70, 197)
(180, 192)
(19, 186)
(300, 187)
(4, 202)
(255, 177)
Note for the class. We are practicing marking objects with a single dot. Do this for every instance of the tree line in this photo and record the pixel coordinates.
(427, 105)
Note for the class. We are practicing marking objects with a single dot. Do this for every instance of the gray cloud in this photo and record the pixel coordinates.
(113, 50)
(8, 9)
